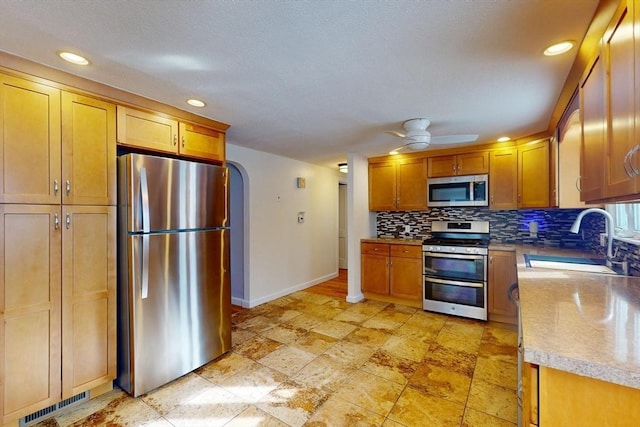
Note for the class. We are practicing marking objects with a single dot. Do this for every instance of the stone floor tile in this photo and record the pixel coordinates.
(253, 383)
(495, 351)
(501, 334)
(441, 382)
(450, 358)
(474, 418)
(371, 392)
(254, 417)
(408, 348)
(334, 329)
(393, 368)
(457, 342)
(350, 354)
(494, 400)
(224, 366)
(257, 347)
(293, 402)
(323, 371)
(288, 360)
(214, 407)
(284, 333)
(315, 343)
(306, 321)
(338, 412)
(373, 338)
(497, 372)
(417, 408)
(166, 398)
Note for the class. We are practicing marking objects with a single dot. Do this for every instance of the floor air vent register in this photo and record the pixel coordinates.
(47, 412)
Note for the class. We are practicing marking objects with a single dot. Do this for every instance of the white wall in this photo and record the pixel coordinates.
(282, 255)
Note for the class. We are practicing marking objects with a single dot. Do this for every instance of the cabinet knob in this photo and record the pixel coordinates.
(182, 141)
(56, 187)
(68, 221)
(175, 139)
(56, 221)
(68, 187)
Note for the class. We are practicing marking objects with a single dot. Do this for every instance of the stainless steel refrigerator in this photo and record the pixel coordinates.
(174, 297)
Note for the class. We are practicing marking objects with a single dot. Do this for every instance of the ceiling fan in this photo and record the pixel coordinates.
(417, 137)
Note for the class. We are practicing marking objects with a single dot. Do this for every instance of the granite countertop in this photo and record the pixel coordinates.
(393, 241)
(584, 323)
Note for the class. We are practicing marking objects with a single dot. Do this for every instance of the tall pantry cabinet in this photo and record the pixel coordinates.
(57, 245)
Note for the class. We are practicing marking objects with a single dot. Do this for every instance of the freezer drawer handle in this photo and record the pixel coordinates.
(144, 196)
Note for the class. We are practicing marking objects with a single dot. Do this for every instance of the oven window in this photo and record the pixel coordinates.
(464, 295)
(450, 192)
(455, 268)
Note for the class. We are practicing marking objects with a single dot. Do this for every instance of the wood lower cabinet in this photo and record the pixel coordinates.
(472, 163)
(392, 270)
(502, 274)
(160, 133)
(398, 185)
(88, 297)
(30, 308)
(565, 400)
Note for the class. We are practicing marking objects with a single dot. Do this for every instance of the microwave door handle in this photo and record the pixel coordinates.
(456, 256)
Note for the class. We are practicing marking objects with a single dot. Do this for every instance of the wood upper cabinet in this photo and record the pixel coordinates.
(199, 141)
(503, 179)
(30, 308)
(502, 274)
(29, 142)
(461, 164)
(160, 133)
(88, 297)
(619, 56)
(533, 175)
(88, 151)
(593, 126)
(398, 185)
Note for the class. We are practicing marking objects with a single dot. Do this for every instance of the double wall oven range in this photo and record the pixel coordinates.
(455, 268)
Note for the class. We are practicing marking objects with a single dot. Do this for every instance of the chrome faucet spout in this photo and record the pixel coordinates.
(609, 230)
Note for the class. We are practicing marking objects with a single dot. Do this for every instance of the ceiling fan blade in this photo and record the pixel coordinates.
(452, 139)
(395, 133)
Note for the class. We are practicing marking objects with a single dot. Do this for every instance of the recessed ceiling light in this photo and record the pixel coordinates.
(558, 48)
(343, 167)
(73, 58)
(393, 152)
(196, 103)
(504, 139)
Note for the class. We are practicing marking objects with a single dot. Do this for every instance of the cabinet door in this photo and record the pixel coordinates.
(533, 175)
(382, 186)
(411, 180)
(441, 166)
(502, 274)
(88, 297)
(472, 163)
(503, 179)
(29, 142)
(375, 274)
(405, 275)
(88, 151)
(618, 50)
(201, 142)
(29, 309)
(592, 121)
(146, 130)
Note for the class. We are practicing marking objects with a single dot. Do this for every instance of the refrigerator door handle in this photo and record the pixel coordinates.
(144, 286)
(144, 198)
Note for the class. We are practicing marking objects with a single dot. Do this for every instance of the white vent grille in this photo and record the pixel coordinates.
(47, 412)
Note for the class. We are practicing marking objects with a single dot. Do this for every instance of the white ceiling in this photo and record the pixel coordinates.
(314, 80)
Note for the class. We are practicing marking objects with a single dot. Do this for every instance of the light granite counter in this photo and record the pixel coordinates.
(584, 323)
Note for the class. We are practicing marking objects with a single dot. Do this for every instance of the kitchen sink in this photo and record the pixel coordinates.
(589, 265)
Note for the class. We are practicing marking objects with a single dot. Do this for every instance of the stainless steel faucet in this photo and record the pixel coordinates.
(576, 227)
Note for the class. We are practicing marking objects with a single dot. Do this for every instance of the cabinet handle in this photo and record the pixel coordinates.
(578, 182)
(634, 150)
(183, 141)
(492, 200)
(626, 164)
(175, 139)
(68, 221)
(56, 187)
(491, 259)
(56, 221)
(454, 167)
(68, 187)
(458, 168)
(518, 198)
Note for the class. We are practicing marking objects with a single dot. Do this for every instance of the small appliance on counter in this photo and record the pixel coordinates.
(455, 268)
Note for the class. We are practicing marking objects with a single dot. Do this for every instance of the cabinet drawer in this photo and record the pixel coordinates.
(375, 249)
(406, 251)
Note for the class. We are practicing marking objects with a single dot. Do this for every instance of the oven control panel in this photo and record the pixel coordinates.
(455, 249)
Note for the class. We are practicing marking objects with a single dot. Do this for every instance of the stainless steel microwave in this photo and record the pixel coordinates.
(469, 190)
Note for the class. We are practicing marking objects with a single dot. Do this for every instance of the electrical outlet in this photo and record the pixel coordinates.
(300, 217)
(603, 239)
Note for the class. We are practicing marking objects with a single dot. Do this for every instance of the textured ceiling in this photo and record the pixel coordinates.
(314, 80)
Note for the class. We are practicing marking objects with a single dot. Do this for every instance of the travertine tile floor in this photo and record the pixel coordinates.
(315, 360)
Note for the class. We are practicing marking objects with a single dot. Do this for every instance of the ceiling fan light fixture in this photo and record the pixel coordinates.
(394, 152)
(416, 145)
(504, 139)
(343, 167)
(559, 48)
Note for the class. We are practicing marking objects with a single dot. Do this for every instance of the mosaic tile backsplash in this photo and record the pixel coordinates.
(512, 227)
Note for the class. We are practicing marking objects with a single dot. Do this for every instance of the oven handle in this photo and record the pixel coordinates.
(456, 256)
(456, 283)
